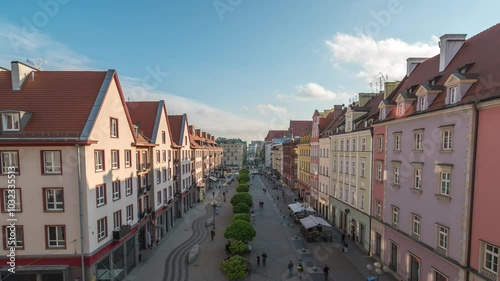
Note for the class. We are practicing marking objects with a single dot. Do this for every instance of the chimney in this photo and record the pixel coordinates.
(364, 98)
(337, 110)
(19, 73)
(411, 63)
(213, 138)
(389, 87)
(449, 46)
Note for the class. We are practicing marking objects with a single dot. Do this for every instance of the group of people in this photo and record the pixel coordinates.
(264, 258)
(300, 269)
(261, 204)
(344, 243)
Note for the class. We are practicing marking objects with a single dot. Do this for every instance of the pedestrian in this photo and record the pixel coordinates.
(264, 258)
(212, 233)
(345, 247)
(325, 270)
(213, 193)
(343, 237)
(262, 204)
(290, 268)
(258, 260)
(300, 268)
(277, 198)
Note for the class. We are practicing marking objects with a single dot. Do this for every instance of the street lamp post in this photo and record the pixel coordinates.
(378, 269)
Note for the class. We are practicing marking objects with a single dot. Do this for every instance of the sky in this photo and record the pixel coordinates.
(237, 68)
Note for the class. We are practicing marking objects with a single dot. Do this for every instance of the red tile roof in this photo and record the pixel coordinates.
(299, 128)
(60, 101)
(175, 122)
(272, 134)
(143, 113)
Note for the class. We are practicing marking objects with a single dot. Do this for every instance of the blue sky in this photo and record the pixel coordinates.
(237, 67)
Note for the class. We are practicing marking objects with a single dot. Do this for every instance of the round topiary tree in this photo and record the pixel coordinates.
(241, 208)
(243, 187)
(242, 216)
(243, 178)
(244, 171)
(238, 247)
(242, 197)
(240, 230)
(235, 267)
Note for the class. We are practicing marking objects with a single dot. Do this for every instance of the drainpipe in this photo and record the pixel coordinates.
(80, 203)
(473, 180)
(371, 196)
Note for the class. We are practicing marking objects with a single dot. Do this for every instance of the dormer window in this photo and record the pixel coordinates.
(10, 121)
(422, 105)
(453, 95)
(401, 109)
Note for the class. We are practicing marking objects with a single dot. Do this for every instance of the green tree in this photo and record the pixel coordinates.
(243, 187)
(238, 247)
(235, 267)
(241, 208)
(244, 171)
(242, 197)
(242, 216)
(240, 230)
(243, 178)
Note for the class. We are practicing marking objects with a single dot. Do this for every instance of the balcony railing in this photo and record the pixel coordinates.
(122, 232)
(143, 167)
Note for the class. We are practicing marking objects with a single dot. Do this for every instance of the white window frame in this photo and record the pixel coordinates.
(453, 98)
(99, 160)
(378, 209)
(492, 252)
(128, 186)
(101, 195)
(445, 183)
(363, 144)
(129, 212)
(115, 158)
(128, 158)
(158, 198)
(362, 203)
(347, 166)
(52, 165)
(415, 226)
(113, 128)
(443, 237)
(11, 122)
(347, 145)
(417, 182)
(418, 140)
(362, 169)
(102, 229)
(12, 158)
(379, 171)
(57, 242)
(379, 143)
(397, 142)
(116, 190)
(353, 169)
(447, 139)
(334, 163)
(56, 205)
(18, 201)
(396, 174)
(117, 220)
(19, 237)
(395, 216)
(353, 197)
(353, 144)
(401, 107)
(422, 103)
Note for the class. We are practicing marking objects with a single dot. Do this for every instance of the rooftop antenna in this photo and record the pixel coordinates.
(38, 64)
(381, 78)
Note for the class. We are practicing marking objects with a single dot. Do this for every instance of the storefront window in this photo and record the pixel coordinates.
(103, 270)
(130, 257)
(118, 264)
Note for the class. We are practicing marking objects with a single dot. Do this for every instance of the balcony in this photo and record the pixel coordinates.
(143, 167)
(176, 161)
(122, 232)
(143, 189)
(176, 177)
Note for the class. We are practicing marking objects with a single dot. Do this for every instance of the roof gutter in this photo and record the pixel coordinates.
(472, 186)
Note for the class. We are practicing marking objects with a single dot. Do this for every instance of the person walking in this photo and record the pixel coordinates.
(258, 260)
(325, 270)
(290, 268)
(277, 198)
(213, 194)
(343, 237)
(300, 268)
(264, 258)
(212, 233)
(345, 246)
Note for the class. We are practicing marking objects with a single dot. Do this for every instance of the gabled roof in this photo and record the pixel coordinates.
(176, 124)
(143, 115)
(300, 128)
(332, 127)
(272, 134)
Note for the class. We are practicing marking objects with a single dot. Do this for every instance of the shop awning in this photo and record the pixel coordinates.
(213, 178)
(297, 208)
(313, 221)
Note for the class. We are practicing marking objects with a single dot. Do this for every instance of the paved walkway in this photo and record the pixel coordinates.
(275, 235)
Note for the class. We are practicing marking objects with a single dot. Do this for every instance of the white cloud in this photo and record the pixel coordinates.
(387, 56)
(17, 44)
(311, 91)
(269, 108)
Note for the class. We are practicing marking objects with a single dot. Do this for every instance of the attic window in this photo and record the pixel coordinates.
(10, 121)
(465, 68)
(432, 82)
(422, 103)
(452, 95)
(401, 109)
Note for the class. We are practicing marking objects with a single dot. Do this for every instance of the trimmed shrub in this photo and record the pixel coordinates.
(243, 178)
(235, 267)
(243, 187)
(238, 247)
(241, 208)
(240, 230)
(242, 197)
(242, 216)
(244, 171)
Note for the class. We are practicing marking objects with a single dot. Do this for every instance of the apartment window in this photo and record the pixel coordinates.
(490, 262)
(341, 145)
(114, 128)
(163, 137)
(362, 205)
(341, 166)
(353, 197)
(115, 162)
(164, 173)
(353, 144)
(397, 142)
(116, 190)
(10, 194)
(401, 109)
(334, 164)
(396, 173)
(10, 121)
(102, 228)
(347, 167)
(447, 139)
(363, 144)
(346, 194)
(157, 156)
(137, 161)
(422, 103)
(418, 140)
(117, 220)
(438, 276)
(130, 213)
(10, 162)
(453, 95)
(54, 199)
(56, 236)
(418, 179)
(51, 162)
(379, 171)
(128, 158)
(415, 229)
(128, 186)
(362, 169)
(101, 194)
(395, 216)
(158, 197)
(99, 160)
(353, 169)
(445, 183)
(158, 176)
(18, 242)
(165, 195)
(164, 156)
(442, 237)
(378, 209)
(347, 145)
(335, 145)
(379, 143)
